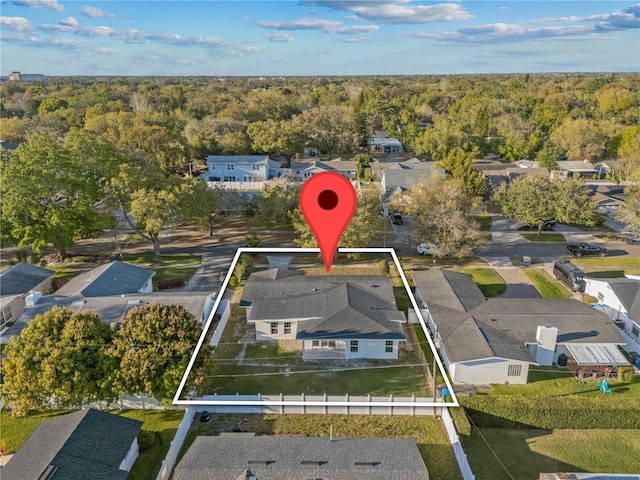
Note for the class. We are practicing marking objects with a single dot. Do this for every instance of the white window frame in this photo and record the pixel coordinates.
(274, 326)
(354, 346)
(231, 166)
(388, 346)
(287, 328)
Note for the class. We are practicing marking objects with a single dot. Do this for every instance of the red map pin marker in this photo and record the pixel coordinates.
(327, 201)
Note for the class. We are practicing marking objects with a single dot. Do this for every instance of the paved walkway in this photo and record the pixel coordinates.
(518, 286)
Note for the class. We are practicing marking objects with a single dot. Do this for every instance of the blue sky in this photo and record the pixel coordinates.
(308, 37)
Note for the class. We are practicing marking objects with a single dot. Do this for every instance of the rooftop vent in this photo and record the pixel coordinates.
(314, 462)
(366, 464)
(261, 462)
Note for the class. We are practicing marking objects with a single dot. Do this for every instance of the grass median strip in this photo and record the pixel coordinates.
(547, 286)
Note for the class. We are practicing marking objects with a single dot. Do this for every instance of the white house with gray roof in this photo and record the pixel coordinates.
(246, 456)
(20, 285)
(241, 168)
(334, 316)
(619, 298)
(495, 340)
(115, 278)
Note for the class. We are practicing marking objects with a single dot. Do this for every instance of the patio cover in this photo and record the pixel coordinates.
(596, 354)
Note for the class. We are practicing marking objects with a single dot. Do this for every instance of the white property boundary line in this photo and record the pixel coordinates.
(240, 251)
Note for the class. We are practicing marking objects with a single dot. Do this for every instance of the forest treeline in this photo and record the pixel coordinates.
(176, 122)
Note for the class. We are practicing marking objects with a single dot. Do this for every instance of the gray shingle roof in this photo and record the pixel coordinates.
(115, 278)
(80, 445)
(501, 327)
(329, 306)
(21, 278)
(628, 292)
(231, 456)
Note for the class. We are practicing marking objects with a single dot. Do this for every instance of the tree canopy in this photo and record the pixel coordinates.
(537, 198)
(60, 359)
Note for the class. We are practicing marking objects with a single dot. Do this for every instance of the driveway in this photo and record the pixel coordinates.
(518, 286)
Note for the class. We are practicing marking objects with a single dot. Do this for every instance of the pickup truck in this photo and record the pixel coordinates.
(587, 249)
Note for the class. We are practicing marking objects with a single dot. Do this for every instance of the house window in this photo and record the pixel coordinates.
(6, 315)
(274, 328)
(514, 370)
(212, 167)
(287, 328)
(600, 297)
(256, 166)
(354, 345)
(388, 346)
(635, 331)
(229, 179)
(231, 166)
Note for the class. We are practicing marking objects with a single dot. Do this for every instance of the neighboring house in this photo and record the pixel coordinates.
(496, 340)
(241, 168)
(115, 278)
(397, 179)
(242, 456)
(333, 316)
(77, 446)
(385, 145)
(20, 284)
(609, 167)
(25, 77)
(305, 169)
(608, 197)
(111, 308)
(619, 298)
(584, 168)
(497, 174)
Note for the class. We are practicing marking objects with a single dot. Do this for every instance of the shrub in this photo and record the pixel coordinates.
(461, 421)
(501, 411)
(22, 255)
(146, 440)
(233, 282)
(625, 374)
(383, 267)
(58, 282)
(175, 282)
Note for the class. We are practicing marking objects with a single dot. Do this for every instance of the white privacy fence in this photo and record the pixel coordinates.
(176, 444)
(224, 310)
(458, 451)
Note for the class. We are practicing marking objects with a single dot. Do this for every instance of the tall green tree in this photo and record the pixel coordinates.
(60, 359)
(629, 212)
(153, 347)
(441, 211)
(459, 164)
(49, 191)
(537, 198)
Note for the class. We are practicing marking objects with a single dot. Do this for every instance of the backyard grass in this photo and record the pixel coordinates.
(554, 383)
(163, 423)
(426, 349)
(488, 281)
(148, 260)
(527, 452)
(543, 237)
(165, 273)
(547, 286)
(426, 431)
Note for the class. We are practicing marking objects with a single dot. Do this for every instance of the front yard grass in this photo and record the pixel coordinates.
(426, 431)
(484, 221)
(488, 281)
(547, 286)
(543, 237)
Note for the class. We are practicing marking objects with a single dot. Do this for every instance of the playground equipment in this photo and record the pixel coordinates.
(603, 385)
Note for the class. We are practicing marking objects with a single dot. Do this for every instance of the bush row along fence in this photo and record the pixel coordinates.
(501, 411)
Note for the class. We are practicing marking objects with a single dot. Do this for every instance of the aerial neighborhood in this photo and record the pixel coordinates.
(166, 313)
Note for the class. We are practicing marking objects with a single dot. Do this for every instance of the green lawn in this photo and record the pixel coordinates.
(547, 286)
(426, 431)
(547, 382)
(484, 221)
(426, 349)
(148, 260)
(527, 453)
(596, 263)
(163, 423)
(165, 273)
(490, 283)
(543, 237)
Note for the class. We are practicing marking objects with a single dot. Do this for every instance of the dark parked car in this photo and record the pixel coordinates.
(396, 218)
(547, 225)
(587, 249)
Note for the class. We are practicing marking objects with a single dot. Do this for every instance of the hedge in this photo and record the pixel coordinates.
(502, 411)
(461, 421)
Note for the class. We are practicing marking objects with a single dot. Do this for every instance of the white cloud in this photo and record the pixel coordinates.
(629, 18)
(278, 37)
(100, 31)
(50, 4)
(69, 22)
(327, 26)
(398, 11)
(17, 24)
(94, 12)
